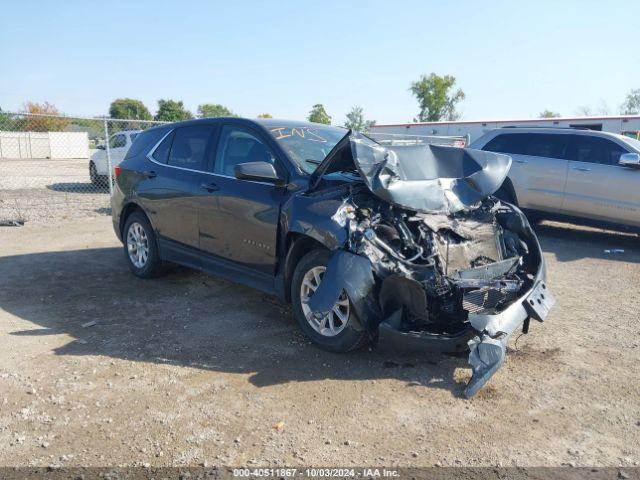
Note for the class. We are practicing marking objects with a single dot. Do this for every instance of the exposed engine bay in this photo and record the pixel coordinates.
(464, 275)
(468, 262)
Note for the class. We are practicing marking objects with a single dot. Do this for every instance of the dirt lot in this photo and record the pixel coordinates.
(44, 189)
(189, 369)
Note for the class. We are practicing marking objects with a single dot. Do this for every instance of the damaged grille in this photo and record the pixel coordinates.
(488, 299)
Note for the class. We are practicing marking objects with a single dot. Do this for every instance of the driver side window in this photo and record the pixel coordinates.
(238, 145)
(117, 141)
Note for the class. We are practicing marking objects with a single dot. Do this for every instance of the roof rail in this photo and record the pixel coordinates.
(577, 127)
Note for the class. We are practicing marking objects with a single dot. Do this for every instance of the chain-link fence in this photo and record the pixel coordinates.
(62, 167)
(58, 166)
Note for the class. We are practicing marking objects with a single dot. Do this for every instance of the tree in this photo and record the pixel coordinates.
(130, 109)
(4, 120)
(603, 108)
(631, 105)
(548, 114)
(46, 118)
(319, 115)
(172, 111)
(265, 115)
(584, 111)
(214, 110)
(437, 98)
(355, 120)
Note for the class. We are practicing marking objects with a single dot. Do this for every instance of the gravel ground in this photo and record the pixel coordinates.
(42, 189)
(188, 369)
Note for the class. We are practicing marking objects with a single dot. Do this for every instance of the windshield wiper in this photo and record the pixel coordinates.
(311, 160)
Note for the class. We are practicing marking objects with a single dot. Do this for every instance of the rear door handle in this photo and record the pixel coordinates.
(521, 161)
(210, 187)
(149, 174)
(582, 169)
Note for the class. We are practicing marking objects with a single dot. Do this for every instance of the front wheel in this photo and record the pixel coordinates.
(504, 193)
(335, 331)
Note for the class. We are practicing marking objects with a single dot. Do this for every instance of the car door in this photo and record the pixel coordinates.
(241, 224)
(597, 186)
(539, 167)
(178, 168)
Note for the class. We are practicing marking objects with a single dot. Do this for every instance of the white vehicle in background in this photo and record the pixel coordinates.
(119, 144)
(570, 173)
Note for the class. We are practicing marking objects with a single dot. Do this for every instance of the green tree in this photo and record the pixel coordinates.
(4, 120)
(436, 97)
(631, 105)
(129, 108)
(548, 114)
(265, 115)
(214, 110)
(172, 111)
(319, 115)
(355, 120)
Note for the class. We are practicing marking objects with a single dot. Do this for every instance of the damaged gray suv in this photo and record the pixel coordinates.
(398, 243)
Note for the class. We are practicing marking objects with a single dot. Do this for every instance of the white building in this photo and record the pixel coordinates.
(55, 145)
(622, 124)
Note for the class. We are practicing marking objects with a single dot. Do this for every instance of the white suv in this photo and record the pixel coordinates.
(570, 172)
(119, 144)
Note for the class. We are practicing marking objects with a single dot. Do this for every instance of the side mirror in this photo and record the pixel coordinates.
(258, 171)
(631, 160)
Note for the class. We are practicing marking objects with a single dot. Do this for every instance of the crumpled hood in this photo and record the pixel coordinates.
(426, 178)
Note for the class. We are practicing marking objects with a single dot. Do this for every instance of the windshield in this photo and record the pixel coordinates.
(632, 141)
(307, 145)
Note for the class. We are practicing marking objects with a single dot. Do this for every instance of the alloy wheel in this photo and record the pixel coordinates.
(334, 322)
(138, 245)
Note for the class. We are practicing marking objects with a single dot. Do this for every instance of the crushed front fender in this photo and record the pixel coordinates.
(352, 274)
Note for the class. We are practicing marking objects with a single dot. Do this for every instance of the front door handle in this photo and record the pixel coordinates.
(521, 161)
(149, 174)
(210, 187)
(582, 169)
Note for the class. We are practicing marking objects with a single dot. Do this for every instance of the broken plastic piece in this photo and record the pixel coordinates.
(487, 355)
(346, 272)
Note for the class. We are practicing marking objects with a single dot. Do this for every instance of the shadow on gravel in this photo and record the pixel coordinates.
(188, 319)
(573, 242)
(78, 187)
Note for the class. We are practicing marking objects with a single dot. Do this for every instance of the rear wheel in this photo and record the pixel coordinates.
(97, 180)
(140, 247)
(335, 331)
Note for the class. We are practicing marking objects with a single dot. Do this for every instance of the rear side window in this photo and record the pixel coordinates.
(534, 144)
(595, 150)
(545, 145)
(161, 154)
(145, 140)
(190, 146)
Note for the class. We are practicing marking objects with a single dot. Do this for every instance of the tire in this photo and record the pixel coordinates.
(504, 193)
(347, 337)
(137, 230)
(97, 180)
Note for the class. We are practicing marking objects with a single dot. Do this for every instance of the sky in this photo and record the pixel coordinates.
(512, 59)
